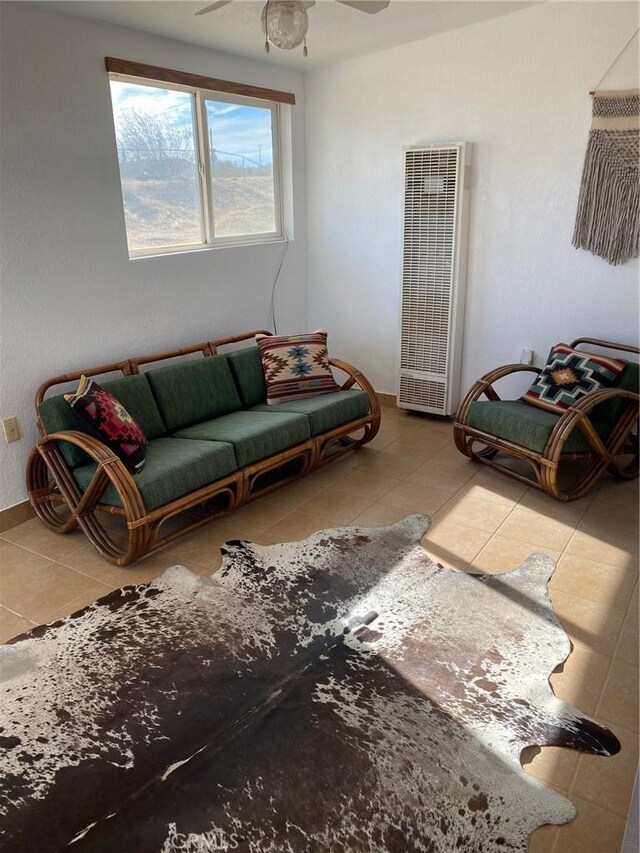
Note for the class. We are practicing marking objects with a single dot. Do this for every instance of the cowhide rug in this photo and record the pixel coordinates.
(340, 694)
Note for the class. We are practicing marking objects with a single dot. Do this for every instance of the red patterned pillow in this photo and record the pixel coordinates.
(296, 366)
(109, 421)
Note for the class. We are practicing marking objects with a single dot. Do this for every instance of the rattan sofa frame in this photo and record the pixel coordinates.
(601, 457)
(61, 505)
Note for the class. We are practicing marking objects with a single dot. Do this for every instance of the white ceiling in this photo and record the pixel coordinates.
(336, 32)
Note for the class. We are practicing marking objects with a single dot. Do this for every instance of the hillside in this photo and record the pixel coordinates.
(166, 212)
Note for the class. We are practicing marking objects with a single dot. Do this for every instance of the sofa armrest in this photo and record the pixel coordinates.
(109, 469)
(356, 377)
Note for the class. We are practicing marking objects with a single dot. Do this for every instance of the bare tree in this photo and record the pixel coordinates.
(151, 143)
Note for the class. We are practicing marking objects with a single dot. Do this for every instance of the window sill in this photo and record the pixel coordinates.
(163, 252)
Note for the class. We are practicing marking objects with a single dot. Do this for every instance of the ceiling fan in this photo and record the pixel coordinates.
(285, 22)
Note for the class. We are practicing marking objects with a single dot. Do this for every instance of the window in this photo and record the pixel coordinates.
(199, 167)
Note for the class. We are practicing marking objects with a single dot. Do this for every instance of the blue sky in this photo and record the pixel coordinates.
(234, 128)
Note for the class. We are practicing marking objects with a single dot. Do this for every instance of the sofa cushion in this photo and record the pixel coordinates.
(194, 391)
(254, 435)
(174, 467)
(133, 392)
(525, 425)
(57, 415)
(246, 367)
(325, 411)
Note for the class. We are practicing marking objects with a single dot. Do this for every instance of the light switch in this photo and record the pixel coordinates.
(11, 429)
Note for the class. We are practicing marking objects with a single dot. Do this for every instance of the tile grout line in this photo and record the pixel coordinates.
(20, 615)
(554, 840)
(593, 801)
(90, 577)
(628, 609)
(44, 556)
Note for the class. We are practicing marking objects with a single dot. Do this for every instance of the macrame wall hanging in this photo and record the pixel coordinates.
(608, 218)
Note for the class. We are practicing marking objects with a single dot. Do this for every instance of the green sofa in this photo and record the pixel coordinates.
(213, 442)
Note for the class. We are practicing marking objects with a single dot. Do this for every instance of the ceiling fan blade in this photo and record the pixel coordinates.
(371, 7)
(212, 7)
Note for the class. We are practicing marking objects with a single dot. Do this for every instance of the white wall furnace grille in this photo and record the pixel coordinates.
(433, 276)
(426, 393)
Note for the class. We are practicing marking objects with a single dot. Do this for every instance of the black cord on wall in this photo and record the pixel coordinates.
(275, 283)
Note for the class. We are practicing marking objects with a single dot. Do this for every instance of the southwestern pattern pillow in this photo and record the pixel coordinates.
(295, 366)
(108, 420)
(568, 375)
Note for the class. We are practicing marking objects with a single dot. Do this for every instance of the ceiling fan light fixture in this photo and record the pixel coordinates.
(284, 23)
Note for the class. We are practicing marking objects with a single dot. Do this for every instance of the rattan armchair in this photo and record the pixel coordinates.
(598, 433)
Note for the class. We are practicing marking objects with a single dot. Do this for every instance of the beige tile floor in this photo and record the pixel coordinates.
(481, 521)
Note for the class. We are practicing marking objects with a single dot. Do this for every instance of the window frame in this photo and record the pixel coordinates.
(199, 97)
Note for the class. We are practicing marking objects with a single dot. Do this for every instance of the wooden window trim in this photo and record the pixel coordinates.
(196, 81)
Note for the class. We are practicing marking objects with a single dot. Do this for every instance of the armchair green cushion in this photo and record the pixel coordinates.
(627, 380)
(525, 425)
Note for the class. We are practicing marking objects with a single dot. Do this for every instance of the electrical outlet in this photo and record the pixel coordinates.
(526, 356)
(11, 429)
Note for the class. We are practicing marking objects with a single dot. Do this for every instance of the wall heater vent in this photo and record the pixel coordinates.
(424, 393)
(433, 276)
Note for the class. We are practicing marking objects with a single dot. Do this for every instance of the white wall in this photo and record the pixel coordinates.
(516, 87)
(70, 297)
